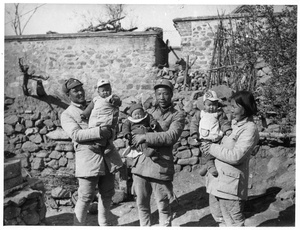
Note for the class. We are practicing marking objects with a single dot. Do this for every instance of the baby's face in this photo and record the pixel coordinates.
(104, 91)
(138, 113)
(211, 106)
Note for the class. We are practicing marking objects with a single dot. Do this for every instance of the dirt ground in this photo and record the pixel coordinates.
(191, 209)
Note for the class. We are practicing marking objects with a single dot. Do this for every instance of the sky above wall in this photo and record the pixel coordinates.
(63, 17)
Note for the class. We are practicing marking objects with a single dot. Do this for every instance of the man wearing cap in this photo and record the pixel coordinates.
(92, 167)
(157, 177)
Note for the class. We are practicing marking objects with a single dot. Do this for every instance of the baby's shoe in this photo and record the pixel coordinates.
(213, 171)
(107, 150)
(203, 171)
(154, 158)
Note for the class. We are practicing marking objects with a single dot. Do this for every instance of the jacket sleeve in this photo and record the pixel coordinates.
(194, 125)
(243, 147)
(169, 137)
(73, 129)
(126, 128)
(225, 124)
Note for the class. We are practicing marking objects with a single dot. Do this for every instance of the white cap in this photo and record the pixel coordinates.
(210, 95)
(102, 82)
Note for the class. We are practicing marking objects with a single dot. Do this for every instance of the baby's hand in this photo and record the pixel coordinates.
(83, 117)
(205, 146)
(228, 132)
(128, 136)
(195, 136)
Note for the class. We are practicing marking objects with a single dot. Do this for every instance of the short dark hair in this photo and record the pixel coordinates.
(246, 99)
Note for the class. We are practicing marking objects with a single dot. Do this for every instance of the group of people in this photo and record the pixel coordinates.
(226, 147)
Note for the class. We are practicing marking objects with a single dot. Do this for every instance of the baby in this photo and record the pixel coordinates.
(210, 124)
(139, 122)
(104, 111)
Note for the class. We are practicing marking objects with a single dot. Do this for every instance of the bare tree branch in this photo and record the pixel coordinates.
(29, 19)
(16, 15)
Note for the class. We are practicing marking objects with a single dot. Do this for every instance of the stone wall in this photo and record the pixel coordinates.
(198, 35)
(197, 39)
(126, 59)
(33, 134)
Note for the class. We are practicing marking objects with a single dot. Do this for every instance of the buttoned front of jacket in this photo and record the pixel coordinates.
(88, 162)
(171, 123)
(232, 163)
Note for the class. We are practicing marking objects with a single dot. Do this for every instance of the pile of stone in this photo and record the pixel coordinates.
(23, 197)
(28, 129)
(182, 81)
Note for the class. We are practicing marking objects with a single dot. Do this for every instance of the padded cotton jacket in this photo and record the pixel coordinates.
(232, 163)
(195, 121)
(89, 161)
(171, 123)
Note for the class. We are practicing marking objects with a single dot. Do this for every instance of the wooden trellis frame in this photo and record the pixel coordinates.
(223, 62)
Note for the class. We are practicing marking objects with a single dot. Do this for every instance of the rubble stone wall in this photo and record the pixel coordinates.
(33, 133)
(126, 59)
(197, 39)
(198, 35)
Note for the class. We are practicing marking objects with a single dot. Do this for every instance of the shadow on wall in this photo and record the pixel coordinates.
(51, 100)
(161, 53)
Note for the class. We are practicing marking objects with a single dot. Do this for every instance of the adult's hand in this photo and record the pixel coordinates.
(205, 146)
(115, 100)
(138, 139)
(105, 132)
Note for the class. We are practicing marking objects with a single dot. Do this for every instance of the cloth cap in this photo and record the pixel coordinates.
(134, 107)
(102, 82)
(210, 95)
(70, 84)
(163, 83)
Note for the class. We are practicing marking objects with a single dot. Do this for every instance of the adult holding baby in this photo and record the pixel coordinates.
(93, 167)
(228, 191)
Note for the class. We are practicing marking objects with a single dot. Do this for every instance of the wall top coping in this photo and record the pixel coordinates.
(34, 37)
(216, 17)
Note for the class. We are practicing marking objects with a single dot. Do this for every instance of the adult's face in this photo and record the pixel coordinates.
(163, 97)
(237, 111)
(77, 94)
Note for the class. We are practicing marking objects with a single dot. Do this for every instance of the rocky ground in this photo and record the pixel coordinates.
(192, 208)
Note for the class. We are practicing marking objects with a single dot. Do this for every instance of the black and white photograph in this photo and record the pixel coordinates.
(198, 127)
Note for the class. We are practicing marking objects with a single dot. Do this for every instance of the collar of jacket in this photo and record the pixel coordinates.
(163, 111)
(81, 106)
(137, 120)
(242, 122)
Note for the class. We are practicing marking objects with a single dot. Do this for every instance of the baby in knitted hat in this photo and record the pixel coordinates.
(211, 124)
(104, 111)
(139, 122)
